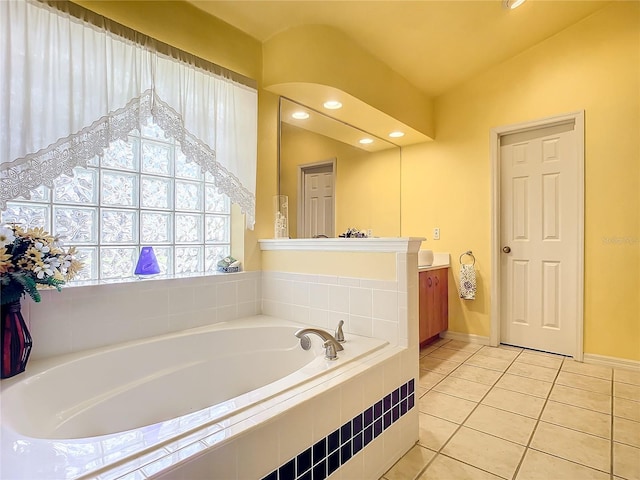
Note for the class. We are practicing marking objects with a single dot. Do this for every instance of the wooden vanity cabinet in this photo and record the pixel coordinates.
(433, 301)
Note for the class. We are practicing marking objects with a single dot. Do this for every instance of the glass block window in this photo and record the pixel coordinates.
(141, 192)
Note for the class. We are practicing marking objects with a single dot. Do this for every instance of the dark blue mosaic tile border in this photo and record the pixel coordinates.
(328, 454)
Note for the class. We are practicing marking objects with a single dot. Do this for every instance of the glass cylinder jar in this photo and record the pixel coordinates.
(280, 216)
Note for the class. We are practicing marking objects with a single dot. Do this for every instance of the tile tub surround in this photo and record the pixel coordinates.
(329, 453)
(561, 420)
(85, 317)
(269, 440)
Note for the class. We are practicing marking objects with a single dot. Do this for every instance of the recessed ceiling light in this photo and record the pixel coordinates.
(366, 141)
(512, 4)
(300, 115)
(332, 105)
(396, 134)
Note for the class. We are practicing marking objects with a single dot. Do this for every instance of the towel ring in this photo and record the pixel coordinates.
(470, 254)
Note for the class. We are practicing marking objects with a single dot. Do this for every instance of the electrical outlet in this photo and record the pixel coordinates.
(436, 234)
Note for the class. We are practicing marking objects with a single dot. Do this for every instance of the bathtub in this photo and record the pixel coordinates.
(105, 413)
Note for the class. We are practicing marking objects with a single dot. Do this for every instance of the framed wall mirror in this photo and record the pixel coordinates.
(336, 176)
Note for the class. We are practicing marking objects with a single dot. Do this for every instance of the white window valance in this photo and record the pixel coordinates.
(69, 88)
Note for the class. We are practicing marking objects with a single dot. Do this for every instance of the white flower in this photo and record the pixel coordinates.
(47, 269)
(42, 247)
(6, 236)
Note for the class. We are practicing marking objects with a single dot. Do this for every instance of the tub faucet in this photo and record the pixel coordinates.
(330, 344)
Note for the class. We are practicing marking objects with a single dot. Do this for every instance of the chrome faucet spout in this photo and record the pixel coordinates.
(330, 344)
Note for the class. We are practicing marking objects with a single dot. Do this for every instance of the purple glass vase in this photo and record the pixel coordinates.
(15, 339)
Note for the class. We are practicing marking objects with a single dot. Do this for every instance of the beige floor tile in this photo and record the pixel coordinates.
(434, 432)
(421, 391)
(500, 353)
(626, 376)
(428, 379)
(540, 466)
(626, 390)
(500, 423)
(510, 348)
(476, 374)
(410, 465)
(548, 360)
(445, 406)
(488, 362)
(626, 461)
(437, 365)
(626, 431)
(598, 371)
(484, 451)
(459, 387)
(514, 402)
(427, 350)
(450, 354)
(571, 445)
(530, 386)
(533, 371)
(439, 342)
(445, 468)
(581, 398)
(577, 418)
(464, 346)
(626, 409)
(584, 382)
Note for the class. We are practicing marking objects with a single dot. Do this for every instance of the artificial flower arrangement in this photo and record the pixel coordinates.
(32, 257)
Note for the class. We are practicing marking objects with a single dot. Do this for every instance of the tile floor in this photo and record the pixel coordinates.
(491, 413)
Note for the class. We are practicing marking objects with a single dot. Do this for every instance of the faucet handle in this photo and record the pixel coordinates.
(339, 333)
(330, 352)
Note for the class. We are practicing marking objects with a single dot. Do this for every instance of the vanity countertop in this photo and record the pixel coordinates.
(440, 260)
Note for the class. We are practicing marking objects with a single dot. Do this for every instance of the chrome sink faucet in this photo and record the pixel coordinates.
(331, 345)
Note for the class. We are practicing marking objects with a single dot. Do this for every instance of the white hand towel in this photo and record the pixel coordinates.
(467, 282)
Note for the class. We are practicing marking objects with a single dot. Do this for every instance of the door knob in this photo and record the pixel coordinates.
(506, 249)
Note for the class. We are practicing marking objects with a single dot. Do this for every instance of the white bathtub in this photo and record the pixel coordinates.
(102, 411)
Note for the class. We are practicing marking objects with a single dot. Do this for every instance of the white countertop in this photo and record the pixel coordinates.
(440, 260)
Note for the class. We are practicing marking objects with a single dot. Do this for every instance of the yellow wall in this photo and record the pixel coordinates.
(371, 265)
(593, 65)
(367, 186)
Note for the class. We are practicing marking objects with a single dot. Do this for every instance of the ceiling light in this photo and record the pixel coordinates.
(300, 115)
(332, 105)
(366, 141)
(512, 4)
(396, 134)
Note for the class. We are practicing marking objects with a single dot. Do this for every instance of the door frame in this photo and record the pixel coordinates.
(302, 169)
(495, 136)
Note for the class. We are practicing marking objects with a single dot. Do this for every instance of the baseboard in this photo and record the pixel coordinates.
(613, 362)
(465, 337)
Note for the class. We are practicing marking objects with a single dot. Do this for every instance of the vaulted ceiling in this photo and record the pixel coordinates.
(434, 44)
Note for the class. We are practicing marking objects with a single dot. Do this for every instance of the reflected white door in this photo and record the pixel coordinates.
(318, 195)
(539, 192)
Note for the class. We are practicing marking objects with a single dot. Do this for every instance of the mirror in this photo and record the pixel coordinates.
(334, 182)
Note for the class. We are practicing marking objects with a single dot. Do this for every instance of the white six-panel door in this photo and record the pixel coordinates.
(539, 235)
(318, 207)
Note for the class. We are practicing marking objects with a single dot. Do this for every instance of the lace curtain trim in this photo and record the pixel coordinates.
(19, 177)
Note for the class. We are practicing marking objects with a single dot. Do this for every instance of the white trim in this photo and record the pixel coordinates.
(402, 245)
(495, 134)
(613, 362)
(465, 337)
